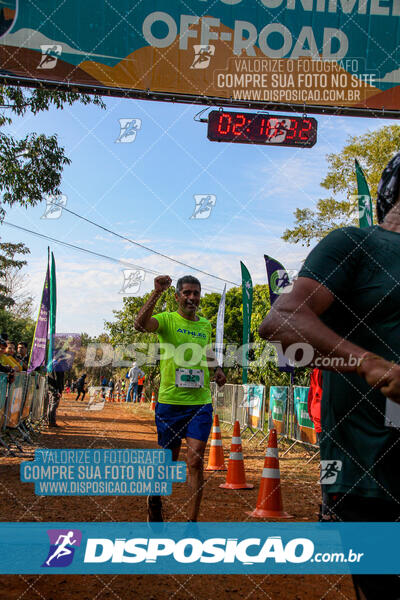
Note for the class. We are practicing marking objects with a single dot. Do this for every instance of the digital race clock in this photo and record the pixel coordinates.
(261, 128)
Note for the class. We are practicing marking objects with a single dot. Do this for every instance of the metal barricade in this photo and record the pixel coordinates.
(15, 401)
(223, 402)
(30, 391)
(3, 398)
(37, 408)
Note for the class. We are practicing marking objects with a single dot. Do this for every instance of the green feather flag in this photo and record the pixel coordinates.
(364, 198)
(247, 299)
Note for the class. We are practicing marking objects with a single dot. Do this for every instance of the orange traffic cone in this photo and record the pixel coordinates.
(153, 402)
(235, 477)
(269, 501)
(142, 399)
(216, 457)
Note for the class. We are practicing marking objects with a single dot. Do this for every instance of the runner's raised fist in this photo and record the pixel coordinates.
(162, 283)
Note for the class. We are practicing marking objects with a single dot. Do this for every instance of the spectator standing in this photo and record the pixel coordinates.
(80, 387)
(134, 373)
(140, 386)
(111, 389)
(10, 357)
(22, 355)
(56, 386)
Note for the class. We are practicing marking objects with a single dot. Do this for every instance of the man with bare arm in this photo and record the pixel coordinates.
(184, 408)
(346, 305)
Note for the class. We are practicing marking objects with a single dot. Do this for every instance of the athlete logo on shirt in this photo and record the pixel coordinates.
(192, 333)
(330, 469)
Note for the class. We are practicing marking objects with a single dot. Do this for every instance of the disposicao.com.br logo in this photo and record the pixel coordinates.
(247, 551)
(62, 547)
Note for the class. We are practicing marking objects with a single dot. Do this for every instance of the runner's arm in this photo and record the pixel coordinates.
(144, 320)
(294, 318)
(219, 376)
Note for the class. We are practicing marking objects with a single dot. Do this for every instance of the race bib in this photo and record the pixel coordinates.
(189, 378)
(392, 414)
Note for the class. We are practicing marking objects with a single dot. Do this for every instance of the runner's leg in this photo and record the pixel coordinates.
(195, 463)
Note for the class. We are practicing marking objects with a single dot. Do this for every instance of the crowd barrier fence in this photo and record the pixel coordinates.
(22, 407)
(285, 410)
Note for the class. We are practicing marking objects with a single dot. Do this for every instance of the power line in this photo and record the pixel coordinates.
(98, 254)
(122, 237)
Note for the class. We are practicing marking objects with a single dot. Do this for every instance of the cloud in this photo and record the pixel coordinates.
(31, 39)
(391, 77)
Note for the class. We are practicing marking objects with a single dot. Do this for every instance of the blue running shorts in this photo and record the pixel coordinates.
(175, 422)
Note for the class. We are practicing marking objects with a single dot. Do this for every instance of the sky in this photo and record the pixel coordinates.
(145, 190)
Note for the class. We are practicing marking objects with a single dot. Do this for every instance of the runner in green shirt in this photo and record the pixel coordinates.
(346, 305)
(184, 408)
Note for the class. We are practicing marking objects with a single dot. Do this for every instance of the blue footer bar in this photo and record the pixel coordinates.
(221, 548)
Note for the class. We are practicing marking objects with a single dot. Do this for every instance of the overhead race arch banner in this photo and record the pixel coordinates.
(323, 55)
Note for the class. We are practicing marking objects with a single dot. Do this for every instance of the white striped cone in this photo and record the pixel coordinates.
(216, 457)
(236, 478)
(269, 501)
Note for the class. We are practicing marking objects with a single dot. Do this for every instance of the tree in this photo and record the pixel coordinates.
(31, 167)
(9, 267)
(373, 150)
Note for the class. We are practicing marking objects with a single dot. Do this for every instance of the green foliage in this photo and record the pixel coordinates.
(32, 166)
(18, 330)
(373, 150)
(8, 262)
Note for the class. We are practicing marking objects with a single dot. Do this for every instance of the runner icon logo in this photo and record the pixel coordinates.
(329, 471)
(54, 206)
(128, 130)
(50, 56)
(62, 547)
(132, 281)
(202, 56)
(204, 203)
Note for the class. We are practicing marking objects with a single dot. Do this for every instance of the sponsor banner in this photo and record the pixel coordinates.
(102, 472)
(3, 397)
(278, 396)
(52, 315)
(271, 52)
(219, 332)
(198, 548)
(306, 426)
(365, 212)
(253, 402)
(38, 351)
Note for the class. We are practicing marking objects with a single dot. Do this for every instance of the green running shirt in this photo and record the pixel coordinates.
(178, 331)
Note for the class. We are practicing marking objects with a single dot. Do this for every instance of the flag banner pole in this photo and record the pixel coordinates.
(219, 333)
(247, 299)
(52, 314)
(37, 356)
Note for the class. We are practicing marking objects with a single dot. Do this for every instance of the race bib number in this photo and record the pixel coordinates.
(189, 378)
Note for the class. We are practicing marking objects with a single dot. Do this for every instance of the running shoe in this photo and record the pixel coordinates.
(154, 509)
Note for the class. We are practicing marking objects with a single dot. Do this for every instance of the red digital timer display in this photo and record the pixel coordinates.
(259, 128)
